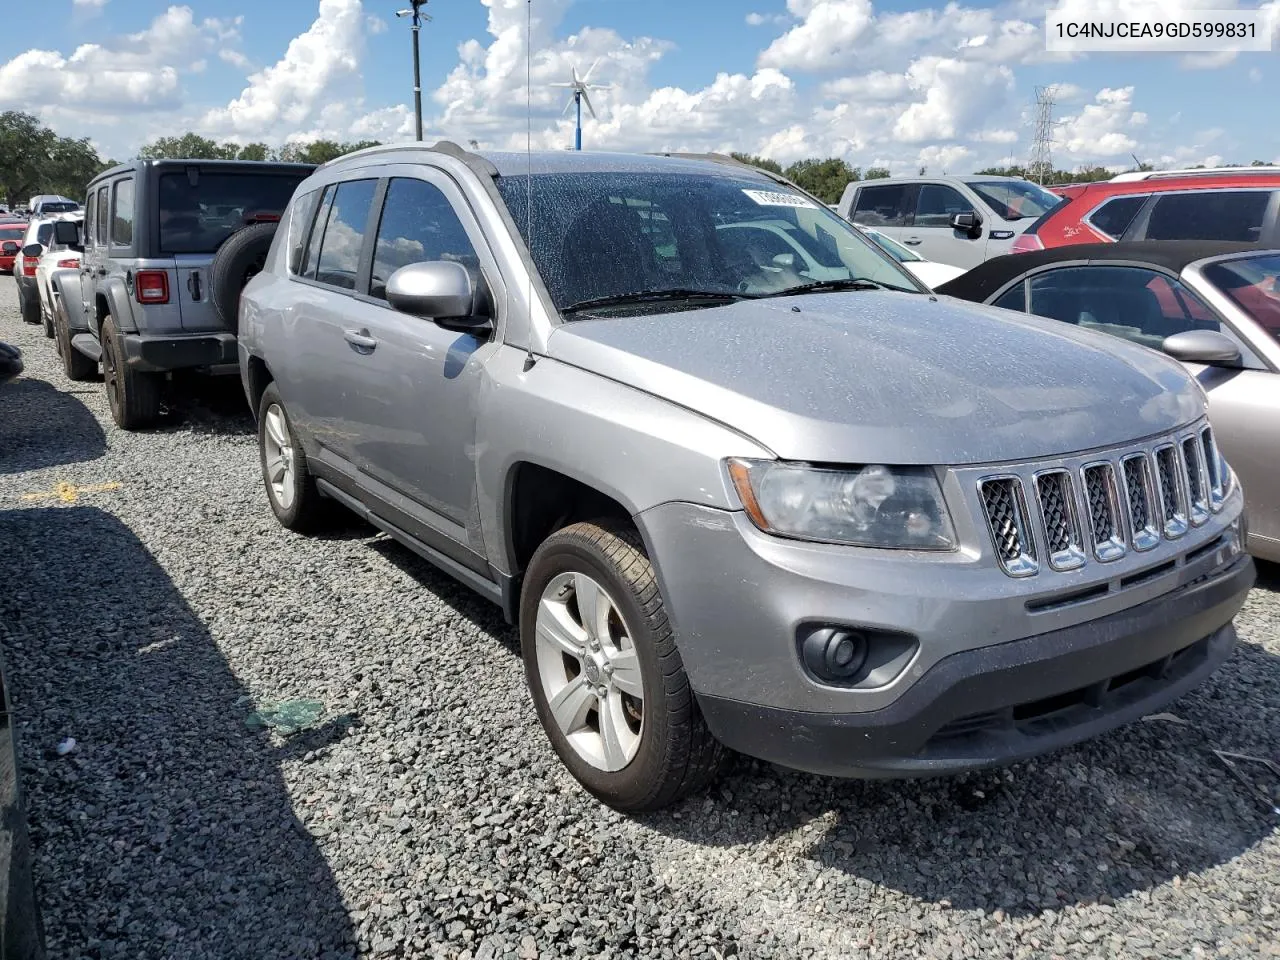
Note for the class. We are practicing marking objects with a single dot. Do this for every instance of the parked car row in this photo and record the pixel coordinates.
(739, 477)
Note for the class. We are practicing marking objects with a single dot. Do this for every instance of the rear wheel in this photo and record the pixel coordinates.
(291, 489)
(606, 677)
(74, 363)
(134, 396)
(46, 318)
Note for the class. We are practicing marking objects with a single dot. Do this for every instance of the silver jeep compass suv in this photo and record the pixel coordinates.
(793, 505)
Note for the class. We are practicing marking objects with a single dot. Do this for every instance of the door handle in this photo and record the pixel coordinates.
(912, 241)
(360, 339)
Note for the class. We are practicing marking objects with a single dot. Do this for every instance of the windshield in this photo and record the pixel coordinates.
(197, 219)
(1016, 199)
(598, 235)
(893, 248)
(1253, 285)
(62, 206)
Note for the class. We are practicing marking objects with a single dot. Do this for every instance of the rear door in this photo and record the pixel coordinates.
(197, 209)
(930, 232)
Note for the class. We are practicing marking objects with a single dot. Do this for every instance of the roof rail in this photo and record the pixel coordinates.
(1136, 175)
(477, 163)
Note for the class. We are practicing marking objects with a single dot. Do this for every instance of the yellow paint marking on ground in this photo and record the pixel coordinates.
(68, 492)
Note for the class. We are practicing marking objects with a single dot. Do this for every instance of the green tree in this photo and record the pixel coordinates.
(189, 146)
(320, 151)
(764, 163)
(34, 159)
(254, 151)
(825, 179)
(877, 173)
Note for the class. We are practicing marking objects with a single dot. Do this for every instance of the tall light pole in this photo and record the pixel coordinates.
(418, 16)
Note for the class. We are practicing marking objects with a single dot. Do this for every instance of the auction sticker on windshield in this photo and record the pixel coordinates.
(767, 198)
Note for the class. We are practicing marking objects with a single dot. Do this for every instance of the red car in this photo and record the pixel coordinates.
(10, 233)
(1234, 206)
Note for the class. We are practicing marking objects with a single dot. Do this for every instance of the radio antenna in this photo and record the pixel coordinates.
(528, 153)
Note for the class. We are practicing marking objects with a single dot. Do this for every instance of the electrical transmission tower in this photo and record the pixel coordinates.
(1042, 146)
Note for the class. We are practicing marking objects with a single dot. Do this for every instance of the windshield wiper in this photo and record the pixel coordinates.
(654, 296)
(825, 286)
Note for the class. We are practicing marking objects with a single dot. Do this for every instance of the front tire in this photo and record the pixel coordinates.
(75, 364)
(291, 489)
(607, 680)
(134, 396)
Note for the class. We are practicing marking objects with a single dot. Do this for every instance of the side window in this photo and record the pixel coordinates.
(881, 206)
(103, 217)
(1129, 302)
(343, 238)
(90, 208)
(1209, 215)
(937, 204)
(1114, 216)
(300, 219)
(122, 218)
(313, 245)
(1014, 299)
(418, 224)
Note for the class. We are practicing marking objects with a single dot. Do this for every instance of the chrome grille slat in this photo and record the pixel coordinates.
(1061, 526)
(1172, 498)
(1197, 482)
(1101, 498)
(1139, 499)
(1213, 469)
(1011, 534)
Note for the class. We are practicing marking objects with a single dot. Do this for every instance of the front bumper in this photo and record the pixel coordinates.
(995, 705)
(156, 354)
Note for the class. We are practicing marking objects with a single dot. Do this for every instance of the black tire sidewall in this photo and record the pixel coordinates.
(633, 783)
(231, 261)
(107, 338)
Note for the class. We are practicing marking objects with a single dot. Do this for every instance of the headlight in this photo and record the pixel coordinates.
(871, 506)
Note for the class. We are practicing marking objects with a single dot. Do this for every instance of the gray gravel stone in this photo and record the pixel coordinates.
(425, 816)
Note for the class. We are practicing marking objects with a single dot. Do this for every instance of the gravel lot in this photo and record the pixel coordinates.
(425, 815)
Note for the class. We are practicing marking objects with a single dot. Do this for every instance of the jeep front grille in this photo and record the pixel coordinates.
(1007, 520)
(1101, 509)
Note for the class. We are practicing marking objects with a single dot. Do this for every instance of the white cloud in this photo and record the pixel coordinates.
(375, 25)
(764, 19)
(89, 4)
(958, 97)
(1102, 128)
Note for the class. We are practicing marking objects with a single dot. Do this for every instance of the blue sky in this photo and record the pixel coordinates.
(887, 82)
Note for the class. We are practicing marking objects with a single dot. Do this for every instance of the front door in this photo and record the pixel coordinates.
(415, 424)
(931, 235)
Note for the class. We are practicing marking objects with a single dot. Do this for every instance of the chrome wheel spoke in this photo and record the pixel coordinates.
(276, 429)
(571, 704)
(556, 628)
(276, 470)
(593, 606)
(617, 740)
(626, 673)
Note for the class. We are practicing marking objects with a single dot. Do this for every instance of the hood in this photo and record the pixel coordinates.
(875, 376)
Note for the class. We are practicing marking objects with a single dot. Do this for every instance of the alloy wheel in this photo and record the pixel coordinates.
(277, 448)
(589, 671)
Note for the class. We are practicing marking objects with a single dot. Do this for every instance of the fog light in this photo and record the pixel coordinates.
(833, 654)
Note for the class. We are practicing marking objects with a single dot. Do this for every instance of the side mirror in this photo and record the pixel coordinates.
(437, 290)
(1209, 347)
(66, 233)
(9, 248)
(967, 222)
(32, 250)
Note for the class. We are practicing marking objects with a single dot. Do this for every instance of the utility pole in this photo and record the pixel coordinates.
(1042, 145)
(418, 16)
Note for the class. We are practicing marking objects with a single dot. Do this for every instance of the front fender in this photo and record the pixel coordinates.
(638, 449)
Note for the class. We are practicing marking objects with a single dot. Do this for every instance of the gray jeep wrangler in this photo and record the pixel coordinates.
(168, 245)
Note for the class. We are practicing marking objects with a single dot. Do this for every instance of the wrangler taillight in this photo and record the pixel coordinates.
(73, 262)
(151, 286)
(1026, 243)
(29, 265)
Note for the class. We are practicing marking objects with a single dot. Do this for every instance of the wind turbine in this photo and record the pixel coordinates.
(580, 86)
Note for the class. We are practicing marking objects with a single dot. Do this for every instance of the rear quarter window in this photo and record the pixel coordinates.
(301, 217)
(881, 206)
(1114, 217)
